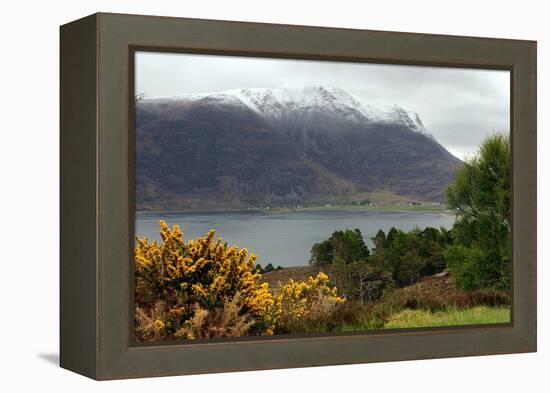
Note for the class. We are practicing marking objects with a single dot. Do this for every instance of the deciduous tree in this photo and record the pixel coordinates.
(480, 256)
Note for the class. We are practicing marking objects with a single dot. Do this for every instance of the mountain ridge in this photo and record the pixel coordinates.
(302, 98)
(255, 147)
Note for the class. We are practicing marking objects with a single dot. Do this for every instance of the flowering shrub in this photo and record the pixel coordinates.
(174, 277)
(204, 288)
(304, 306)
(227, 321)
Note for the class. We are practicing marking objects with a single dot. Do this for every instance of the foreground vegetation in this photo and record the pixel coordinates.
(435, 295)
(204, 288)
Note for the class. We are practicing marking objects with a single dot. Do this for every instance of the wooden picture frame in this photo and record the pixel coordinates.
(97, 194)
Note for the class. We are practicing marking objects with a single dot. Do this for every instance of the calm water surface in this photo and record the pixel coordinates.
(285, 239)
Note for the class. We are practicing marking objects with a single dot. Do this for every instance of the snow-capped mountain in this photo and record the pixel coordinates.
(256, 147)
(274, 103)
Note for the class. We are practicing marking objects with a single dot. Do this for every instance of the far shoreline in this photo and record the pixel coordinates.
(313, 209)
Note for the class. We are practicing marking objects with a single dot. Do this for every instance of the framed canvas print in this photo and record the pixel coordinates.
(241, 196)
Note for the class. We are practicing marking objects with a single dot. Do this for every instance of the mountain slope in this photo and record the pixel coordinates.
(257, 147)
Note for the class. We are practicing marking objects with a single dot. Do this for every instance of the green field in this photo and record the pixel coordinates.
(451, 317)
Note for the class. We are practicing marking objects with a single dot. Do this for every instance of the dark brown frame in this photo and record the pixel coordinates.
(97, 194)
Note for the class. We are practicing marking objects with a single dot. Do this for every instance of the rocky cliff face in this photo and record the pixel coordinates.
(258, 147)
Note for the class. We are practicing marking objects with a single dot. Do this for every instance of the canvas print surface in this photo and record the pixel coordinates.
(283, 196)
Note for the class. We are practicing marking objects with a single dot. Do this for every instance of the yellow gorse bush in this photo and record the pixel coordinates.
(175, 280)
(201, 272)
(299, 303)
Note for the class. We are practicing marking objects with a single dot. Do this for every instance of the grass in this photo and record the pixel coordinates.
(451, 317)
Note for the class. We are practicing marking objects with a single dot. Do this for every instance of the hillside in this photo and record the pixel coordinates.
(282, 276)
(280, 147)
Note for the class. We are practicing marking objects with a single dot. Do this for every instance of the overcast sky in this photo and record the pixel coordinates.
(458, 106)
